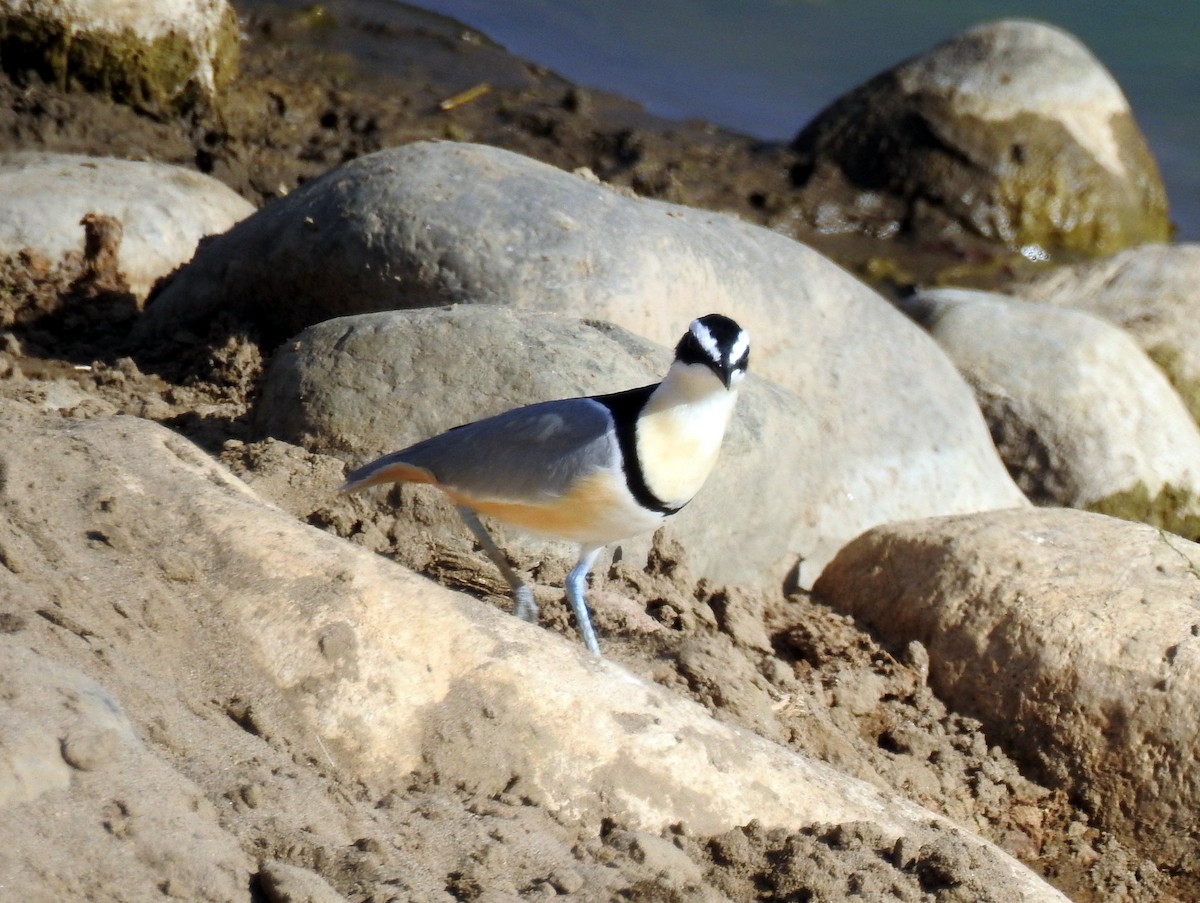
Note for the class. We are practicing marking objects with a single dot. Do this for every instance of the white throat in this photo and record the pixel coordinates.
(680, 431)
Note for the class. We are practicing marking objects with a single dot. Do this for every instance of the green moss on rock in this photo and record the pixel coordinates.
(1053, 192)
(159, 76)
(1173, 508)
(1021, 181)
(1170, 361)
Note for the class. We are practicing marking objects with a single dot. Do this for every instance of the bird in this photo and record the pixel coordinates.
(591, 470)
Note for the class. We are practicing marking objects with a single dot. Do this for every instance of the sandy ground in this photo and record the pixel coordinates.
(785, 667)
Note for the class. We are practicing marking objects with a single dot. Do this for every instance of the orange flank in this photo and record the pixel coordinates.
(593, 511)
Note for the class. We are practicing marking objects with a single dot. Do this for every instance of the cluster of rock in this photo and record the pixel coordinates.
(431, 284)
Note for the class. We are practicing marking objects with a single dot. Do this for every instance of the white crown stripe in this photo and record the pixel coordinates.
(706, 340)
(740, 346)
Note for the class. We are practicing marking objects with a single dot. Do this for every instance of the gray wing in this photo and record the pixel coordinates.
(526, 454)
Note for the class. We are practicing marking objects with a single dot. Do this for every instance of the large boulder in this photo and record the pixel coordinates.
(165, 56)
(387, 672)
(1153, 292)
(799, 476)
(1012, 131)
(162, 211)
(424, 224)
(1081, 416)
(433, 223)
(1072, 636)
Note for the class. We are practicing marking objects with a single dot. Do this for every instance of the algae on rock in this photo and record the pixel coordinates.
(1174, 508)
(965, 140)
(165, 67)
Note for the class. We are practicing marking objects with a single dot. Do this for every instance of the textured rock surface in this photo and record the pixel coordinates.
(1081, 416)
(1153, 292)
(1074, 637)
(798, 477)
(392, 673)
(163, 210)
(95, 580)
(169, 55)
(1011, 130)
(74, 776)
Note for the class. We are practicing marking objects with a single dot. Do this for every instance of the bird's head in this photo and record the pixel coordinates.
(718, 343)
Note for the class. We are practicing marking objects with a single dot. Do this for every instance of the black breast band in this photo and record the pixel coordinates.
(625, 408)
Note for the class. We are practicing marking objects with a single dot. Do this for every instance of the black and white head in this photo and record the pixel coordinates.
(716, 342)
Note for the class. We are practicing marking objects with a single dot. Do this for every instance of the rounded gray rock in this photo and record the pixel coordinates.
(420, 225)
(1152, 292)
(433, 223)
(1081, 416)
(1012, 131)
(163, 210)
(799, 475)
(1073, 637)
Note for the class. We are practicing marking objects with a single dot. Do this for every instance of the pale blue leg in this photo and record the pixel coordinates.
(576, 586)
(526, 609)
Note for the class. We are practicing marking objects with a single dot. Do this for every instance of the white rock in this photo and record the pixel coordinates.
(1074, 637)
(164, 210)
(1152, 291)
(1078, 411)
(796, 480)
(1003, 69)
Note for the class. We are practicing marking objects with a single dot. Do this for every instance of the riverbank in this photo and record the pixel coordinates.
(260, 791)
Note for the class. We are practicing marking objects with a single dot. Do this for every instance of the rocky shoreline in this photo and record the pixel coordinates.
(215, 689)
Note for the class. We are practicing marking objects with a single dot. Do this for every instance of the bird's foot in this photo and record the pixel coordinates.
(576, 587)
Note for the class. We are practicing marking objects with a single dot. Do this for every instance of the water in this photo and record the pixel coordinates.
(765, 67)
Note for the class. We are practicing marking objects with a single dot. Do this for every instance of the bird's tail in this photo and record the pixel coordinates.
(387, 469)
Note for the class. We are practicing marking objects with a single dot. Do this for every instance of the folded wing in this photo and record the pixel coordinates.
(528, 455)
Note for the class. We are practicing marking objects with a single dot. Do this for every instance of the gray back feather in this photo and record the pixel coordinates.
(527, 454)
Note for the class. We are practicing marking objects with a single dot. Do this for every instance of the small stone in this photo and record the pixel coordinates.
(284, 883)
(89, 750)
(566, 881)
(252, 796)
(9, 368)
